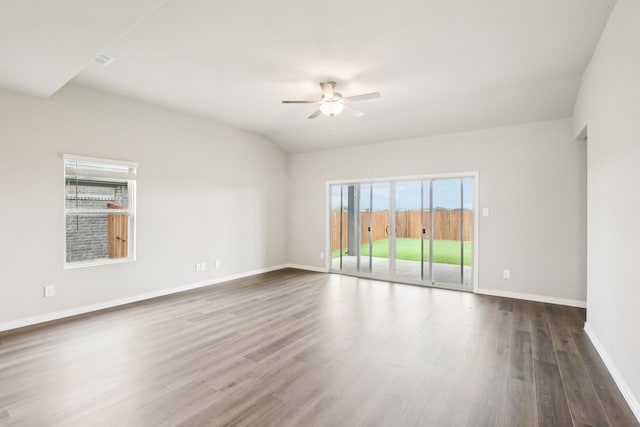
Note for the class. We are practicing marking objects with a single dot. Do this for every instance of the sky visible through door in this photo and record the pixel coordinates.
(447, 198)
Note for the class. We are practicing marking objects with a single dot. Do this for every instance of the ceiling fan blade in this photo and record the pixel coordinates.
(300, 102)
(354, 111)
(327, 89)
(315, 114)
(364, 97)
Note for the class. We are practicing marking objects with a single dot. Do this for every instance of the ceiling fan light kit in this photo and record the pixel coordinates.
(332, 107)
(332, 103)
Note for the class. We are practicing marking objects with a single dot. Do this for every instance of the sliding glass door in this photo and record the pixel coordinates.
(452, 225)
(345, 243)
(408, 231)
(415, 231)
(366, 225)
(380, 229)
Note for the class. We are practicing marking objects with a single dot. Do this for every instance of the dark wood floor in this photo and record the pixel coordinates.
(300, 349)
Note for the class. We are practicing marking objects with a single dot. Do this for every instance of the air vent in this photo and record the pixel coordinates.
(103, 60)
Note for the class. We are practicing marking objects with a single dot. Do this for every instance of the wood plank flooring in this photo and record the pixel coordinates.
(293, 348)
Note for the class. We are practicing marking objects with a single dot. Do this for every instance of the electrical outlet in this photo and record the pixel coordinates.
(49, 291)
(203, 266)
(217, 263)
(197, 267)
(506, 274)
(321, 255)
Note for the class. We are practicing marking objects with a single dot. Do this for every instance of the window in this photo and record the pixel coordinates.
(99, 211)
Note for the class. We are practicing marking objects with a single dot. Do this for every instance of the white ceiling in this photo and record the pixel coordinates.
(44, 43)
(441, 66)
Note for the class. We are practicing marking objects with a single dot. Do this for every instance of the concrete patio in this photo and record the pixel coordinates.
(405, 270)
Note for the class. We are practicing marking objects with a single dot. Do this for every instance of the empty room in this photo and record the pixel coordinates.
(360, 213)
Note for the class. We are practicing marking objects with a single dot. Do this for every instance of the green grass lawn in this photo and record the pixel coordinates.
(444, 251)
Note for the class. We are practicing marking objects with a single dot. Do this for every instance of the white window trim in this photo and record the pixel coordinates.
(131, 209)
(99, 160)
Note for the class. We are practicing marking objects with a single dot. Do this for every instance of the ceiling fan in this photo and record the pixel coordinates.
(332, 103)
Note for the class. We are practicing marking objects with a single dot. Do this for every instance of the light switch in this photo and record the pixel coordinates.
(485, 211)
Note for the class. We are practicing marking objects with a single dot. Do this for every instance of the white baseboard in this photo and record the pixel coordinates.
(532, 297)
(308, 267)
(632, 401)
(33, 320)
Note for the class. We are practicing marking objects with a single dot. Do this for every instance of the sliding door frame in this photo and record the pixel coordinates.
(476, 223)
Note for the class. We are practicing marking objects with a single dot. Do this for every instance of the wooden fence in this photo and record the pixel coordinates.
(446, 226)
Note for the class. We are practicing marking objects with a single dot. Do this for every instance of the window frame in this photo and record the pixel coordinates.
(130, 211)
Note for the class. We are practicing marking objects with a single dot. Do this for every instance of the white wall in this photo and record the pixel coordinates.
(205, 192)
(532, 177)
(609, 106)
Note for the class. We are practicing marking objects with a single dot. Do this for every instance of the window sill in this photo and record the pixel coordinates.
(97, 262)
